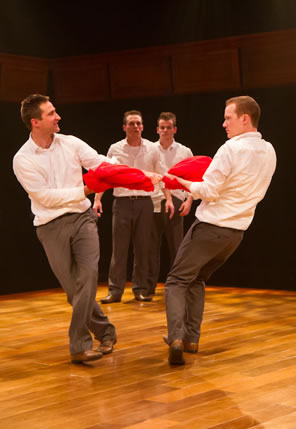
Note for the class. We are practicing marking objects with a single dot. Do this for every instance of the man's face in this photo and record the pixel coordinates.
(134, 126)
(234, 125)
(166, 129)
(49, 122)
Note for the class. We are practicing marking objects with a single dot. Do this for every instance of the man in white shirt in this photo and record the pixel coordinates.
(234, 183)
(49, 167)
(167, 220)
(132, 212)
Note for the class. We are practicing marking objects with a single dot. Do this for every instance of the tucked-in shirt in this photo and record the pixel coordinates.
(175, 153)
(235, 182)
(144, 157)
(53, 177)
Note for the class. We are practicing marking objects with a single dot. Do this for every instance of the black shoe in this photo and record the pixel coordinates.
(176, 353)
(141, 297)
(110, 298)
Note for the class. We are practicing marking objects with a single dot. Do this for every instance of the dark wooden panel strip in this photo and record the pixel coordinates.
(199, 71)
(140, 76)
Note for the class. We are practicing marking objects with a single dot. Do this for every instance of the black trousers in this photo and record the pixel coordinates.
(204, 249)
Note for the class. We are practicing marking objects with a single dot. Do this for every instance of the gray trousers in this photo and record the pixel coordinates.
(204, 249)
(173, 229)
(71, 244)
(132, 222)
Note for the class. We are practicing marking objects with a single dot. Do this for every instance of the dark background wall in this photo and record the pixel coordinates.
(59, 28)
(264, 260)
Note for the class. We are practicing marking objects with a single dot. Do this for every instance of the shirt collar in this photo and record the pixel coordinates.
(38, 149)
(141, 146)
(250, 135)
(170, 148)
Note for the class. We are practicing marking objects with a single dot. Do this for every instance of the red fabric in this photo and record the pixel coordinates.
(108, 176)
(192, 168)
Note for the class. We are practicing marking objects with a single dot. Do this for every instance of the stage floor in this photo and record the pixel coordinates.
(243, 377)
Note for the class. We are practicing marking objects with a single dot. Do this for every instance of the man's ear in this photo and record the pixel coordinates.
(246, 119)
(35, 122)
(124, 127)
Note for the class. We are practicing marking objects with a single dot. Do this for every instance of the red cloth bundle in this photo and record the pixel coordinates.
(108, 176)
(192, 168)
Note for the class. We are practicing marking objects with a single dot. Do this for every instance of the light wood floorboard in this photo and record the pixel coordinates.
(243, 377)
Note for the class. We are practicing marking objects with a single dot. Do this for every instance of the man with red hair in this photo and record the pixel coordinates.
(234, 183)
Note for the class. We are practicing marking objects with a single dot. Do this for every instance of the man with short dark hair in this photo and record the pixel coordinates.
(168, 219)
(49, 167)
(234, 183)
(132, 212)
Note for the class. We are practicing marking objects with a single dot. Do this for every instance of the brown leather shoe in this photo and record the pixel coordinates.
(189, 347)
(176, 353)
(143, 298)
(86, 356)
(110, 298)
(106, 347)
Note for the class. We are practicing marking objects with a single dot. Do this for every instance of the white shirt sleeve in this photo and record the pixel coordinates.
(89, 157)
(35, 185)
(214, 178)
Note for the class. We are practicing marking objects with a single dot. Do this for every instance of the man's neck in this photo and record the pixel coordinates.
(42, 140)
(166, 143)
(134, 142)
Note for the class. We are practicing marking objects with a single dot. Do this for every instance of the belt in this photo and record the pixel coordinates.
(135, 197)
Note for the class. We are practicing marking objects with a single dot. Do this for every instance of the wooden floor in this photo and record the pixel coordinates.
(243, 377)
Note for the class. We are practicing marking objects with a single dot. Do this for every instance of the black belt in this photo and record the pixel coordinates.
(136, 197)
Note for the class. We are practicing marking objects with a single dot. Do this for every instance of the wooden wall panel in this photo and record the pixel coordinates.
(260, 60)
(269, 63)
(196, 71)
(79, 82)
(140, 76)
(22, 76)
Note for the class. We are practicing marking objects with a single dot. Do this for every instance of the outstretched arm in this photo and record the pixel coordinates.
(185, 183)
(154, 177)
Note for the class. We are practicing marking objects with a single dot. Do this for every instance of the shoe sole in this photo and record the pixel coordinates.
(110, 302)
(106, 352)
(78, 362)
(176, 356)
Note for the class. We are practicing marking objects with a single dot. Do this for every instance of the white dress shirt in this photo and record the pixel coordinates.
(236, 180)
(144, 157)
(53, 177)
(175, 153)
